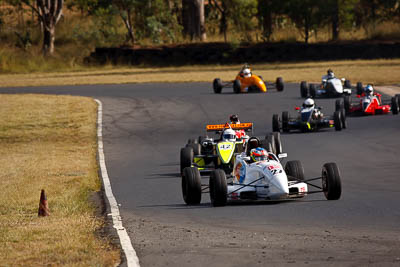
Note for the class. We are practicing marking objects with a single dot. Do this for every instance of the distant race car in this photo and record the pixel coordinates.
(246, 82)
(207, 153)
(264, 179)
(329, 87)
(310, 118)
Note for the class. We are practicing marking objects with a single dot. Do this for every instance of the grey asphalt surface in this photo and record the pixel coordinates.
(145, 125)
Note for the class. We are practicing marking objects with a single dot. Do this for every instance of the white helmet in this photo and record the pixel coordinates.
(369, 90)
(246, 72)
(331, 74)
(229, 135)
(308, 103)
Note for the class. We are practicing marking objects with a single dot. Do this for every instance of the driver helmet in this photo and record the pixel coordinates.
(308, 103)
(330, 73)
(247, 72)
(234, 119)
(229, 135)
(258, 154)
(369, 90)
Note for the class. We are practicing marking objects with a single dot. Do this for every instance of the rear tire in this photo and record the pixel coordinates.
(337, 119)
(217, 85)
(346, 104)
(359, 88)
(278, 143)
(395, 105)
(347, 84)
(303, 89)
(236, 87)
(331, 184)
(191, 186)
(275, 123)
(285, 121)
(218, 188)
(338, 105)
(295, 169)
(187, 156)
(279, 84)
(313, 91)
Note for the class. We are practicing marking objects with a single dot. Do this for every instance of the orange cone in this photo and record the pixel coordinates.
(43, 206)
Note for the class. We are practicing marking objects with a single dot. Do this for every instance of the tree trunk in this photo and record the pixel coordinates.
(193, 19)
(335, 21)
(48, 40)
(306, 29)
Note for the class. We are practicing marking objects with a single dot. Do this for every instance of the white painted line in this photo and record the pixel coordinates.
(126, 244)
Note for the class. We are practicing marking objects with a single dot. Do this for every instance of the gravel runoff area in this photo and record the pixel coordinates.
(389, 90)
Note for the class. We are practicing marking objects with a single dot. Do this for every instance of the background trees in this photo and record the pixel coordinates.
(132, 22)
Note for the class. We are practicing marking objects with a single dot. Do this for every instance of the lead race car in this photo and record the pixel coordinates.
(310, 118)
(207, 153)
(260, 176)
(247, 82)
(330, 86)
(369, 103)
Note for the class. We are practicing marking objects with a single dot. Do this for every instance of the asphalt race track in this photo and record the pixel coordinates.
(145, 125)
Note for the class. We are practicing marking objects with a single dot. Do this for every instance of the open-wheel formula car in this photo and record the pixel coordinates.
(246, 82)
(329, 87)
(263, 179)
(309, 118)
(368, 103)
(207, 153)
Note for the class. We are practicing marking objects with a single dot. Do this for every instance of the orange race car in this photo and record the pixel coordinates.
(246, 82)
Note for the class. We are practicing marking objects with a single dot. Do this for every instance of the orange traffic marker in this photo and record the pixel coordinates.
(43, 206)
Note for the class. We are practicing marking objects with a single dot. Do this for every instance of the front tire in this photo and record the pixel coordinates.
(337, 119)
(279, 84)
(275, 123)
(191, 186)
(303, 89)
(294, 170)
(237, 87)
(218, 188)
(395, 105)
(187, 156)
(343, 118)
(338, 105)
(217, 85)
(285, 121)
(331, 184)
(270, 138)
(313, 91)
(359, 88)
(278, 143)
(346, 104)
(347, 84)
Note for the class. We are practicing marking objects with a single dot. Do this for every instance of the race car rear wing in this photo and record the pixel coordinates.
(248, 126)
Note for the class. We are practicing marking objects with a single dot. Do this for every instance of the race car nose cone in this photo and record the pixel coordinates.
(279, 187)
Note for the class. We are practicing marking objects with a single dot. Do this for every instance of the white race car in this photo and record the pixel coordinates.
(262, 180)
(329, 87)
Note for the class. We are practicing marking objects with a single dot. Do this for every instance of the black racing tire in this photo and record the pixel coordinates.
(278, 143)
(279, 84)
(294, 170)
(236, 87)
(395, 105)
(191, 186)
(217, 85)
(331, 184)
(347, 84)
(398, 99)
(337, 119)
(338, 104)
(303, 89)
(266, 144)
(313, 91)
(187, 156)
(196, 148)
(343, 118)
(285, 121)
(192, 141)
(271, 139)
(347, 104)
(359, 88)
(275, 123)
(218, 188)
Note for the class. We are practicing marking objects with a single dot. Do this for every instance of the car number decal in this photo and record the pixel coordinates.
(276, 171)
(225, 147)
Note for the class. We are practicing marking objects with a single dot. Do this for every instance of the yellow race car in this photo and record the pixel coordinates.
(246, 82)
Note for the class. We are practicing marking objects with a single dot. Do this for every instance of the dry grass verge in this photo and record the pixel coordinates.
(368, 71)
(49, 142)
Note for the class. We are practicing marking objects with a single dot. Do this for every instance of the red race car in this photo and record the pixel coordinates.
(369, 103)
